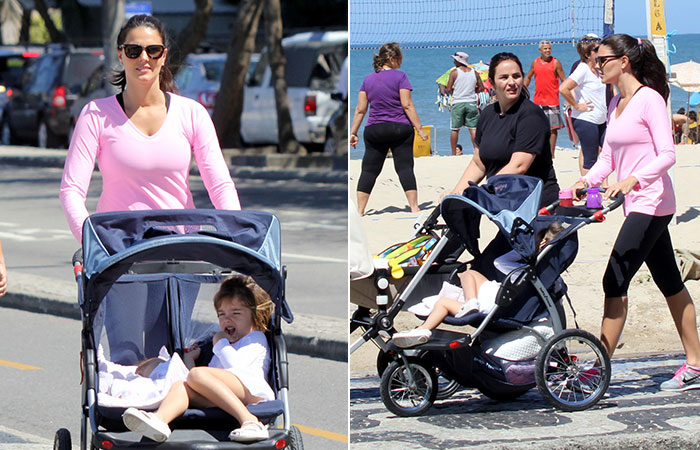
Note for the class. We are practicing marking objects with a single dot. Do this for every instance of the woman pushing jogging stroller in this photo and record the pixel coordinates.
(639, 146)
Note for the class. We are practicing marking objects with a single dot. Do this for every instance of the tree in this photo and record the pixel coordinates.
(112, 20)
(273, 30)
(54, 34)
(191, 36)
(229, 100)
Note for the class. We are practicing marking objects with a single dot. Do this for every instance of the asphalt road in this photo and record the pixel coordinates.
(36, 239)
(40, 389)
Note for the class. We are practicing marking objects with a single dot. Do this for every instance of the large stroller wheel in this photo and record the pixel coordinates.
(446, 386)
(573, 370)
(62, 440)
(294, 441)
(408, 389)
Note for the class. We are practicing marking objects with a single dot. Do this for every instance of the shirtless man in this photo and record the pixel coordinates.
(548, 74)
(464, 83)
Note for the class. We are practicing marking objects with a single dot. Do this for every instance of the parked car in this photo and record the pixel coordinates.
(313, 63)
(199, 78)
(39, 112)
(12, 63)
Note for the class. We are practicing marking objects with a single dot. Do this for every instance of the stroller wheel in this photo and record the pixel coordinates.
(573, 370)
(446, 386)
(62, 440)
(408, 389)
(294, 442)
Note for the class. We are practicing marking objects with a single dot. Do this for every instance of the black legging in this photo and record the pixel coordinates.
(379, 139)
(642, 238)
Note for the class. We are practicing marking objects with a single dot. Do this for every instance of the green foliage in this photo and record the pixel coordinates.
(38, 34)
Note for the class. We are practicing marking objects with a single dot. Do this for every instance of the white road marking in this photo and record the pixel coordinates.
(24, 436)
(314, 258)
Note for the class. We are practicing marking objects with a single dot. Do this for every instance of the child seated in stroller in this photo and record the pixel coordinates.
(234, 378)
(480, 291)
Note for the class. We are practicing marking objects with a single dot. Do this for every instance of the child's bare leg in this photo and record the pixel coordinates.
(176, 402)
(223, 389)
(443, 307)
(471, 282)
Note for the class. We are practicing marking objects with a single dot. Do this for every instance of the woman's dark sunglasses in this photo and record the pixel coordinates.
(602, 60)
(134, 51)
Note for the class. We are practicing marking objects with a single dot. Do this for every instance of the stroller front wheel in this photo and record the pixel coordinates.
(62, 440)
(572, 370)
(408, 388)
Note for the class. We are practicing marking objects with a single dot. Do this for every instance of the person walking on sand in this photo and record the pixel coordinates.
(464, 84)
(548, 72)
(392, 119)
(639, 147)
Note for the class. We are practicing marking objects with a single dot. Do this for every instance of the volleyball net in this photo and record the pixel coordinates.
(464, 23)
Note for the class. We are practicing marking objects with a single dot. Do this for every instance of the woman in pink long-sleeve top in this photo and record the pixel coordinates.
(143, 138)
(639, 147)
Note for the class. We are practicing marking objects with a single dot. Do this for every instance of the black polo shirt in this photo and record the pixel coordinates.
(523, 128)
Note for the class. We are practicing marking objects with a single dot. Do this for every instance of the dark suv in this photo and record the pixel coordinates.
(39, 112)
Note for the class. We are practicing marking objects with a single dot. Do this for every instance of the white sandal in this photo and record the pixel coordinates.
(250, 430)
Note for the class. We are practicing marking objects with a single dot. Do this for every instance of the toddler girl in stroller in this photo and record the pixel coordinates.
(233, 378)
(480, 291)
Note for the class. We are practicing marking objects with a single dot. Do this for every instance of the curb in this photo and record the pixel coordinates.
(310, 335)
(308, 168)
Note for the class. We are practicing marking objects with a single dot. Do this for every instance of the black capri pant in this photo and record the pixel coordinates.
(591, 136)
(642, 238)
(379, 139)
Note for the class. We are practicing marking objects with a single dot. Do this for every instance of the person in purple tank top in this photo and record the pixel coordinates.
(392, 118)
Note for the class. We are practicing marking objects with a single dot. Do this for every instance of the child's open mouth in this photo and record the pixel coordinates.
(230, 331)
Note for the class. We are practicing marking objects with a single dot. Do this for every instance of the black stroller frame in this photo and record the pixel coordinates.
(410, 377)
(179, 249)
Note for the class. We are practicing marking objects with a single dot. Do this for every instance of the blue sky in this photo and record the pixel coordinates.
(681, 15)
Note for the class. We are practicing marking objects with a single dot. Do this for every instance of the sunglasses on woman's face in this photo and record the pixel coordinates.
(133, 51)
(602, 60)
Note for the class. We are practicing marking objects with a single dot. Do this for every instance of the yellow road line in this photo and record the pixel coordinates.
(18, 365)
(323, 433)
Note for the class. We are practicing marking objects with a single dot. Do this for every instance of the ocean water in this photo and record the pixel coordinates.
(424, 65)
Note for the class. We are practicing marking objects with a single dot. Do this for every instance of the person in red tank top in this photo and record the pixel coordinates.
(548, 72)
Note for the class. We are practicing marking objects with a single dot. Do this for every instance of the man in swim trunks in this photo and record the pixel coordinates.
(548, 74)
(464, 83)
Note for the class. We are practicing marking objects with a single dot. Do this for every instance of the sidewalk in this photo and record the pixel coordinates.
(324, 337)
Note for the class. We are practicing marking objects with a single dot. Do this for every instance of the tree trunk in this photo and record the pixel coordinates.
(190, 37)
(112, 21)
(54, 34)
(229, 100)
(273, 31)
(26, 23)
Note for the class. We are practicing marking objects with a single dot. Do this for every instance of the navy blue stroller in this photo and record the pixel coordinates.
(147, 282)
(522, 342)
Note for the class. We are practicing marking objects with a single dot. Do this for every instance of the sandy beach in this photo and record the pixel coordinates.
(649, 325)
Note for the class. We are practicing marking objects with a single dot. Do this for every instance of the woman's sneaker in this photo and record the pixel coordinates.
(411, 338)
(685, 378)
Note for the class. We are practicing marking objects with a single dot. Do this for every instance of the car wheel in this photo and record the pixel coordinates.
(6, 137)
(329, 145)
(45, 137)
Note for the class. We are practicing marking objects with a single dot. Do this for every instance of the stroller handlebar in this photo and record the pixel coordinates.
(430, 223)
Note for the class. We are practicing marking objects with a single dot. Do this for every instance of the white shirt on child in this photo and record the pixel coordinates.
(248, 359)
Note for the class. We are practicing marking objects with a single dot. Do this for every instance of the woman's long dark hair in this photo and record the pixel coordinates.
(647, 68)
(387, 51)
(506, 56)
(167, 83)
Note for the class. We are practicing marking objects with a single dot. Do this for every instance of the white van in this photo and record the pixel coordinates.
(313, 63)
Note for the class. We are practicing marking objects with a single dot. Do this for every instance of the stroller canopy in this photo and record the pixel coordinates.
(510, 201)
(246, 242)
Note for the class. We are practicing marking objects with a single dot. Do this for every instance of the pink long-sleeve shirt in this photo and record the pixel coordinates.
(639, 143)
(139, 171)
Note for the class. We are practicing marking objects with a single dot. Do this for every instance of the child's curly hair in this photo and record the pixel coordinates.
(251, 295)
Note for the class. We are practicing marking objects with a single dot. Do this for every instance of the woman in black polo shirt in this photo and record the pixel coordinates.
(512, 137)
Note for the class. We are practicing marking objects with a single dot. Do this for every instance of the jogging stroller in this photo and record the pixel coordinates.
(146, 286)
(522, 341)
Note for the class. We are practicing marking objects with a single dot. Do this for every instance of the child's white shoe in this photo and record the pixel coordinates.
(411, 338)
(146, 424)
